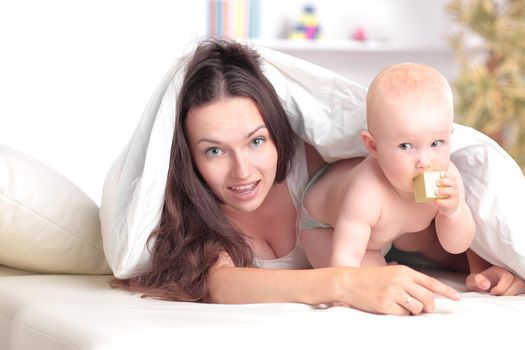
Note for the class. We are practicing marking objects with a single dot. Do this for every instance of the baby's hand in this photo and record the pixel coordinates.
(448, 187)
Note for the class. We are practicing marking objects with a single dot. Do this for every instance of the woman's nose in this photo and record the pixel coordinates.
(240, 167)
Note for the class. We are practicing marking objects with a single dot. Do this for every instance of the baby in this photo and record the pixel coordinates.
(370, 203)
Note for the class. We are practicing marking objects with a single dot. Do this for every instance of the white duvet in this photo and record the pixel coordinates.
(327, 111)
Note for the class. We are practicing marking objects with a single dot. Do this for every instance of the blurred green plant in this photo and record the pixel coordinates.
(490, 87)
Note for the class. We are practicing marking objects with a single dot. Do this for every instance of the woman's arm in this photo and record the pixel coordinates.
(396, 290)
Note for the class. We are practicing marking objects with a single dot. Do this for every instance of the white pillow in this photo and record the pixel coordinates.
(47, 224)
(327, 111)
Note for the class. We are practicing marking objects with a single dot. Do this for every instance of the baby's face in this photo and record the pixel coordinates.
(412, 137)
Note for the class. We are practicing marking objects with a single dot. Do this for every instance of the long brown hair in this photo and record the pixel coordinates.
(193, 229)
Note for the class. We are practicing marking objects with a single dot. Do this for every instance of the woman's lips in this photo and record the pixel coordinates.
(245, 191)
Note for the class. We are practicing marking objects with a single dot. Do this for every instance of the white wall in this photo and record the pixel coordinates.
(417, 30)
(405, 21)
(76, 75)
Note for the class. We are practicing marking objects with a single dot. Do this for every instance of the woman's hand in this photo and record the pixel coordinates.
(395, 290)
(485, 277)
(496, 281)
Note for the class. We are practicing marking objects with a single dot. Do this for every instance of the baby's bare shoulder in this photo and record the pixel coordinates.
(368, 178)
(364, 197)
(367, 187)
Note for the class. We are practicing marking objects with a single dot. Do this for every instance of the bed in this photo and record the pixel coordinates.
(72, 246)
(51, 312)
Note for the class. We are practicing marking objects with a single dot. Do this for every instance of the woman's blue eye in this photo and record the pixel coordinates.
(436, 143)
(405, 146)
(257, 142)
(214, 152)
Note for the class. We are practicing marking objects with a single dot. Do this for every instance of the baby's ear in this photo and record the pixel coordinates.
(369, 143)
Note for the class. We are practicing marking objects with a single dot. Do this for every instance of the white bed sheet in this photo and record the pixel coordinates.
(50, 312)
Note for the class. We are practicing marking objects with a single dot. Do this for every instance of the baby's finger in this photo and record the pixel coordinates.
(503, 284)
(517, 287)
(447, 192)
(446, 182)
(450, 203)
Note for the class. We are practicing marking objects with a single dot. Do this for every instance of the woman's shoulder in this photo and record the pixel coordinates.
(314, 161)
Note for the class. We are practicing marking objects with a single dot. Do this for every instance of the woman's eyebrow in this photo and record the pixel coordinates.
(255, 130)
(262, 126)
(209, 141)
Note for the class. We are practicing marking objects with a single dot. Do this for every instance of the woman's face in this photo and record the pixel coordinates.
(233, 151)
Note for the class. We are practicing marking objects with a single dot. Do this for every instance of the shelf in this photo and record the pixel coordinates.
(347, 46)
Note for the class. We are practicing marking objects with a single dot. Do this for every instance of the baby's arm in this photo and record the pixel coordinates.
(454, 223)
(349, 243)
(353, 229)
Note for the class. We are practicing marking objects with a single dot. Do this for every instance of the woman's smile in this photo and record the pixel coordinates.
(246, 191)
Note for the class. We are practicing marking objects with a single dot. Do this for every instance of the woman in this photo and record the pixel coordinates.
(228, 208)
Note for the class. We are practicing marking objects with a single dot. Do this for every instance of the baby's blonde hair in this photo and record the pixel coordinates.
(404, 80)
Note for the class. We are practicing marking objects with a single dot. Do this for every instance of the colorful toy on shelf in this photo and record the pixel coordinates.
(359, 34)
(308, 27)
